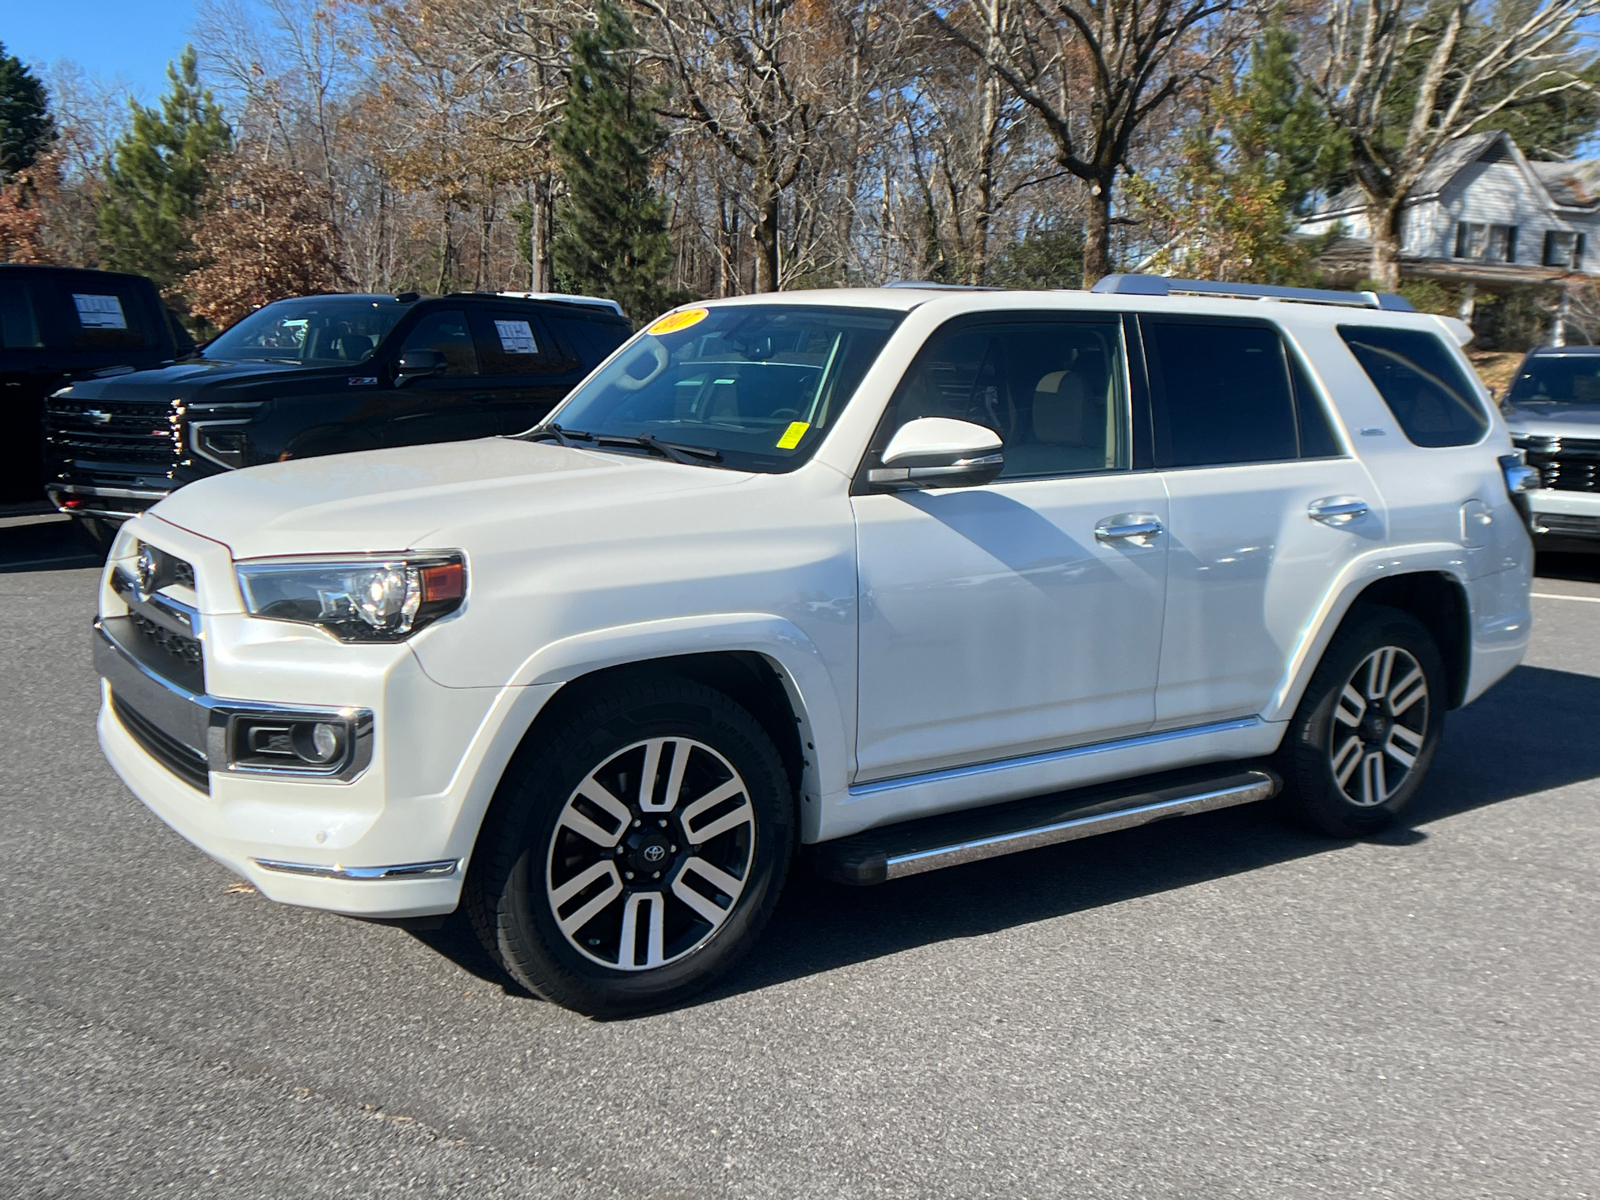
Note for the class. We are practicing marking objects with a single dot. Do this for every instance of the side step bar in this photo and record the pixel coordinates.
(913, 847)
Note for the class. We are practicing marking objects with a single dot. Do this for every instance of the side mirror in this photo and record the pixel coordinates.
(934, 452)
(418, 364)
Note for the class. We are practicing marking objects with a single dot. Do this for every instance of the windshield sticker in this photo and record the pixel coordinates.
(99, 312)
(673, 322)
(516, 337)
(792, 435)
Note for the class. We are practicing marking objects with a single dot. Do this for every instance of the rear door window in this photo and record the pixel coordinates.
(1220, 392)
(19, 324)
(1420, 382)
(106, 314)
(514, 343)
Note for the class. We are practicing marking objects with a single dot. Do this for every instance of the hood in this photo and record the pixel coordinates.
(1553, 420)
(175, 380)
(389, 500)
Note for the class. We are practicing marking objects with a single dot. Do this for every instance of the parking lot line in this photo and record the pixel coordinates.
(1556, 596)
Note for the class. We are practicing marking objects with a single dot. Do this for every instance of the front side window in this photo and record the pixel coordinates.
(1052, 388)
(1558, 379)
(448, 333)
(758, 384)
(1420, 382)
(319, 331)
(1220, 392)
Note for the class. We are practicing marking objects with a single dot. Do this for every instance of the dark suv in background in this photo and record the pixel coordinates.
(60, 324)
(1552, 409)
(321, 375)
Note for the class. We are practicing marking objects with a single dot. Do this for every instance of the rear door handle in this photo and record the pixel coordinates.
(1337, 510)
(1128, 526)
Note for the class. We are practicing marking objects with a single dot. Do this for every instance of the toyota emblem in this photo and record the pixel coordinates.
(654, 854)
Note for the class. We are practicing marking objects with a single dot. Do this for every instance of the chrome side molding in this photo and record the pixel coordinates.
(423, 870)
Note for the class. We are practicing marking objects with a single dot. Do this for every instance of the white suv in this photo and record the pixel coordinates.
(896, 578)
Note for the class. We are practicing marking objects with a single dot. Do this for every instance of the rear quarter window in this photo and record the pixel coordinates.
(1421, 383)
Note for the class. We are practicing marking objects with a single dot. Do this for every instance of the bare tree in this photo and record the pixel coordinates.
(1405, 78)
(1094, 71)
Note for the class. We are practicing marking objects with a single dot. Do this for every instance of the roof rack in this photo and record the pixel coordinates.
(563, 297)
(940, 287)
(1160, 285)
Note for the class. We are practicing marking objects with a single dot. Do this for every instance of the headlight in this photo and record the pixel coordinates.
(361, 600)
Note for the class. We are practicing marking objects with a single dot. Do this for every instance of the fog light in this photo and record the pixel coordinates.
(288, 744)
(319, 744)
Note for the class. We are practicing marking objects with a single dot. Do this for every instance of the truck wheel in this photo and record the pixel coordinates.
(634, 853)
(1368, 727)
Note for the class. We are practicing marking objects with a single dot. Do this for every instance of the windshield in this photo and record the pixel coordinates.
(757, 384)
(1564, 379)
(317, 331)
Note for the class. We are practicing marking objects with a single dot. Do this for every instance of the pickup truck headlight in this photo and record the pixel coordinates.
(379, 599)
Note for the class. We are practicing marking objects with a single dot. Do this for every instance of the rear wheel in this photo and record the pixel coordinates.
(634, 853)
(1368, 727)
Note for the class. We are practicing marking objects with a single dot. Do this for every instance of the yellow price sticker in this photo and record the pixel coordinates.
(792, 435)
(673, 322)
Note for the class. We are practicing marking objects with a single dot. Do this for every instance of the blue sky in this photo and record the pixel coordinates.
(130, 40)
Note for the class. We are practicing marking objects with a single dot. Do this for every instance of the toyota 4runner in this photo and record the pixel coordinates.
(885, 580)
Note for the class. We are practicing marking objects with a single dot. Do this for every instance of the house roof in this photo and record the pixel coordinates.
(1566, 185)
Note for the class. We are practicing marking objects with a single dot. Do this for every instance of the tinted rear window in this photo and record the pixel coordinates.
(1420, 382)
(1221, 393)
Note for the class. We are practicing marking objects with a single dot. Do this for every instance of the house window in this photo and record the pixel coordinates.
(1563, 249)
(1491, 243)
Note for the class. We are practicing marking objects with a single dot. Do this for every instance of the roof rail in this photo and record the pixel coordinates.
(940, 287)
(1160, 285)
(563, 297)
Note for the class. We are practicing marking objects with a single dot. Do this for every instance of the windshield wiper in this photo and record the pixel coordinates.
(673, 451)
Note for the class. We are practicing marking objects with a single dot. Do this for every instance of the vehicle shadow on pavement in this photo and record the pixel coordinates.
(1580, 568)
(1532, 732)
(44, 543)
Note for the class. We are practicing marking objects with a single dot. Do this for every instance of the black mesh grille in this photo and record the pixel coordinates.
(183, 761)
(111, 432)
(185, 649)
(1570, 465)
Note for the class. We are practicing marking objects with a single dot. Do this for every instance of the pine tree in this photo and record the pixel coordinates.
(1275, 118)
(611, 231)
(26, 128)
(158, 178)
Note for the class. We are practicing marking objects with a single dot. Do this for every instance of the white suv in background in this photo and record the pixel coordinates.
(893, 578)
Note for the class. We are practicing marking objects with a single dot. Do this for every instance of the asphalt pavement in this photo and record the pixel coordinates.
(1218, 1006)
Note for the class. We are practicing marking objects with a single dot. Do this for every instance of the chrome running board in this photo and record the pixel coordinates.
(896, 851)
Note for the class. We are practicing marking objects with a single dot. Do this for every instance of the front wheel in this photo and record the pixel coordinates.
(634, 854)
(1368, 727)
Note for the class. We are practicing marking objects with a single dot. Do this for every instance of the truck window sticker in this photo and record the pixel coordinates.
(516, 337)
(99, 312)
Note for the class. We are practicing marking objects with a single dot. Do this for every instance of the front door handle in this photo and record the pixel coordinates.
(1337, 510)
(1128, 526)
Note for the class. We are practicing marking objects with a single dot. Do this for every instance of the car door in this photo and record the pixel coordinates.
(1024, 615)
(525, 371)
(1267, 508)
(447, 407)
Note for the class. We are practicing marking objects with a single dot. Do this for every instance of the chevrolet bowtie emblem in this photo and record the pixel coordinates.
(98, 415)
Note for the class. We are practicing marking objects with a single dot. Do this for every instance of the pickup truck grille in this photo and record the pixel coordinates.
(111, 431)
(1566, 464)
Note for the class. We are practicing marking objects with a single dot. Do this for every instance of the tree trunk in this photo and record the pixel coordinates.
(766, 235)
(1383, 225)
(1097, 234)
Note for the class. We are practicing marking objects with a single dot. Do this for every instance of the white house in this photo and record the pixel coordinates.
(1482, 215)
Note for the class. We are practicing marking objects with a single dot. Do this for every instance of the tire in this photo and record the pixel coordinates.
(1377, 700)
(610, 902)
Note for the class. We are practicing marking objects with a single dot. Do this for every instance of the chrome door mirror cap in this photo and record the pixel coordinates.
(940, 452)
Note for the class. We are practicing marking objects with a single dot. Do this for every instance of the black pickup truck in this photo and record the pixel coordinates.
(321, 375)
(58, 325)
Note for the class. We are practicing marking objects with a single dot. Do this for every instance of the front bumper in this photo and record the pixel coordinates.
(107, 503)
(1563, 518)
